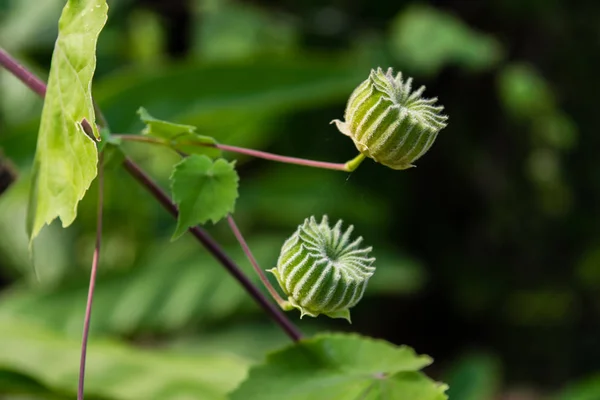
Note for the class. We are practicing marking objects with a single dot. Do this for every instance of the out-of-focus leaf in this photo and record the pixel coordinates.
(114, 370)
(229, 101)
(234, 30)
(474, 377)
(29, 22)
(147, 38)
(300, 192)
(203, 190)
(66, 158)
(178, 135)
(23, 385)
(524, 92)
(586, 389)
(175, 285)
(425, 39)
(343, 367)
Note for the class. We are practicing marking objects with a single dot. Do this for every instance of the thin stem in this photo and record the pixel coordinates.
(24, 75)
(209, 243)
(250, 256)
(282, 159)
(349, 166)
(93, 274)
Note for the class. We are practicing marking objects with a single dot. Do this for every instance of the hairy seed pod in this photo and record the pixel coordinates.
(322, 271)
(390, 123)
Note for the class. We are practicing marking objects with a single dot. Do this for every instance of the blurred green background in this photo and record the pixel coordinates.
(488, 252)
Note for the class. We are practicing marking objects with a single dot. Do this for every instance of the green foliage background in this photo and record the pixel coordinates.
(488, 252)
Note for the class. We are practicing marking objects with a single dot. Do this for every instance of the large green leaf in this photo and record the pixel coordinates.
(114, 370)
(342, 367)
(66, 158)
(203, 190)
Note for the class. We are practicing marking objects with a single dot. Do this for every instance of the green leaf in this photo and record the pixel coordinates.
(65, 160)
(178, 135)
(114, 370)
(203, 190)
(341, 367)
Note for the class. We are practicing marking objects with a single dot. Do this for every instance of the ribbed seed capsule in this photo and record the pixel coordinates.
(388, 122)
(323, 271)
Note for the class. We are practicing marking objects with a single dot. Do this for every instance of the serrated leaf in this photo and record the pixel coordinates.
(114, 370)
(65, 160)
(341, 367)
(178, 135)
(203, 190)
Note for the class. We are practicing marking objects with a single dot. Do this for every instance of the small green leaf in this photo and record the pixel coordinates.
(65, 160)
(178, 135)
(203, 190)
(341, 367)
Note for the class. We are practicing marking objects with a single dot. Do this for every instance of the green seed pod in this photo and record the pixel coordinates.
(388, 122)
(322, 271)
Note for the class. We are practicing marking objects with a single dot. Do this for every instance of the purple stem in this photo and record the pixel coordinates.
(30, 80)
(93, 274)
(240, 238)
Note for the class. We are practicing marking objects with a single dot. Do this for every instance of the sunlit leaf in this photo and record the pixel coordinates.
(66, 158)
(342, 367)
(203, 190)
(178, 135)
(114, 370)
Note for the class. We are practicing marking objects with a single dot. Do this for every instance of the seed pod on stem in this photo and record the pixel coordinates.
(322, 271)
(389, 122)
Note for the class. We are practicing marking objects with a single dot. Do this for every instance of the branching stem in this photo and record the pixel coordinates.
(209, 243)
(38, 86)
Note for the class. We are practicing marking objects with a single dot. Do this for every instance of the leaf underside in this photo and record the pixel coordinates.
(66, 158)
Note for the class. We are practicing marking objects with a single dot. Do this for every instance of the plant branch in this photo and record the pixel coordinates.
(212, 246)
(24, 75)
(250, 256)
(348, 167)
(93, 274)
(38, 86)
